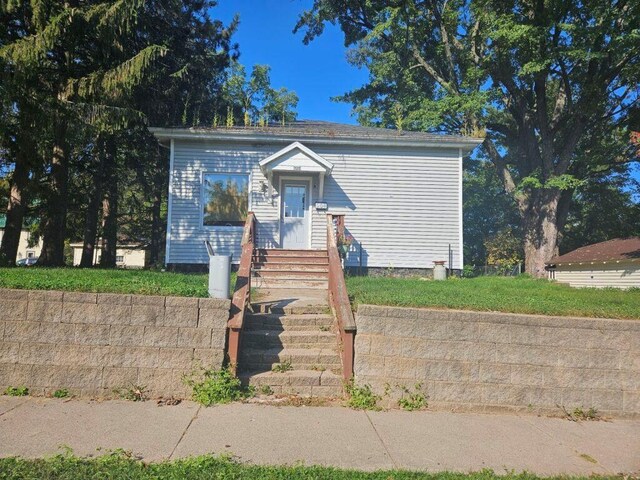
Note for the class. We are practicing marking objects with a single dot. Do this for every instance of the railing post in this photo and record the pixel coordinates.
(338, 297)
(241, 294)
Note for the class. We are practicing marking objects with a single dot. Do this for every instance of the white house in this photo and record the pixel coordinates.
(401, 192)
(127, 255)
(26, 248)
(614, 263)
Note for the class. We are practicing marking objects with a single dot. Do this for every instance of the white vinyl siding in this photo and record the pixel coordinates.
(615, 275)
(401, 205)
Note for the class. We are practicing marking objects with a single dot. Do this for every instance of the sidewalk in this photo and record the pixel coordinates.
(434, 441)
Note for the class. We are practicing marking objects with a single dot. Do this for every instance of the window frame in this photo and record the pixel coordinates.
(202, 202)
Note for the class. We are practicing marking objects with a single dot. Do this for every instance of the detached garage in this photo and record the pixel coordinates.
(614, 263)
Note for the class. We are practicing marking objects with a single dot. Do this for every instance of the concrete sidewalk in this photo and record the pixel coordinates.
(434, 441)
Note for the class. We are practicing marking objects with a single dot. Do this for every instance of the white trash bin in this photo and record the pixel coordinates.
(219, 273)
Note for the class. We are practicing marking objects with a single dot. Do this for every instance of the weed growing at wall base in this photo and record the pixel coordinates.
(361, 397)
(17, 391)
(212, 387)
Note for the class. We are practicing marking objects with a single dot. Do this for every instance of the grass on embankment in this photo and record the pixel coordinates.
(143, 282)
(118, 466)
(503, 294)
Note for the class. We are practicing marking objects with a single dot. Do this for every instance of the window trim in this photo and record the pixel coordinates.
(201, 205)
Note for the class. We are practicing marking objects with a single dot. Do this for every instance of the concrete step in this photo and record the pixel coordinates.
(292, 274)
(312, 322)
(296, 382)
(274, 252)
(287, 266)
(289, 260)
(271, 338)
(272, 283)
(277, 309)
(258, 359)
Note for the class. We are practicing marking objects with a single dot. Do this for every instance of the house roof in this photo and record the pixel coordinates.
(619, 249)
(319, 130)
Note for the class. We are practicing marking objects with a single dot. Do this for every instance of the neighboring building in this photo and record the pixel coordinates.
(615, 263)
(24, 250)
(401, 191)
(127, 256)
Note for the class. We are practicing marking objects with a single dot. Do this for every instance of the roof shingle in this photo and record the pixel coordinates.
(617, 249)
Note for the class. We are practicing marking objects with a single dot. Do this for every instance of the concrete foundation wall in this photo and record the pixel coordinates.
(92, 344)
(485, 360)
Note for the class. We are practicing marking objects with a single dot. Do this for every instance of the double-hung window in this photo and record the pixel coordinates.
(225, 199)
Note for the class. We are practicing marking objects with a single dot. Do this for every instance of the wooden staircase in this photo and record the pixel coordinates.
(296, 342)
(291, 351)
(272, 268)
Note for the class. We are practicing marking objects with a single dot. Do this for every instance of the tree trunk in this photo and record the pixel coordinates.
(16, 208)
(54, 228)
(110, 206)
(540, 226)
(93, 210)
(157, 225)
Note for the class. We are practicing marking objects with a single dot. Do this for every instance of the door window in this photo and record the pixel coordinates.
(294, 201)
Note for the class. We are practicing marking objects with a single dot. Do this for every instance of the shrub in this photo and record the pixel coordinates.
(216, 386)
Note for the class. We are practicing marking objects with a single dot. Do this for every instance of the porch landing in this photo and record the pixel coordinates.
(289, 297)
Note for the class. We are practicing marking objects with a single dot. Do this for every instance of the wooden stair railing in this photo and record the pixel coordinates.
(338, 297)
(241, 293)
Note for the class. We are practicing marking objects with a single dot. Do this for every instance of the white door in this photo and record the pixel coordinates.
(294, 218)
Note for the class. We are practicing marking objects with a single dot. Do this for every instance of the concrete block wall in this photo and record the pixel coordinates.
(475, 360)
(92, 344)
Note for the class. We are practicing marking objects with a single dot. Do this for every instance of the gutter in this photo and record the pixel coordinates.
(465, 143)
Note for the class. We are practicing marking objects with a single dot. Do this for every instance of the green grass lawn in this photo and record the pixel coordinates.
(117, 467)
(144, 282)
(504, 294)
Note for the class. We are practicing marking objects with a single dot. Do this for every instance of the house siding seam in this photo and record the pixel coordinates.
(402, 204)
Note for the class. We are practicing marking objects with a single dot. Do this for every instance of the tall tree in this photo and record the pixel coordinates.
(542, 80)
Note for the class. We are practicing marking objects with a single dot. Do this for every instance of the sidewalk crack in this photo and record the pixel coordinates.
(13, 408)
(384, 445)
(195, 415)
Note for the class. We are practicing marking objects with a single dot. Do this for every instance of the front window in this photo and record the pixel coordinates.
(119, 258)
(226, 199)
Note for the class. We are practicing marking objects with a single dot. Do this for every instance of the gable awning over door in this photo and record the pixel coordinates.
(296, 158)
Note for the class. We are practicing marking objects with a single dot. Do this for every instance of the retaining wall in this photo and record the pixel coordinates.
(473, 360)
(92, 344)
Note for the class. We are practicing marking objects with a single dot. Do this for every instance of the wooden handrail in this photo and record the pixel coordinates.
(242, 292)
(338, 297)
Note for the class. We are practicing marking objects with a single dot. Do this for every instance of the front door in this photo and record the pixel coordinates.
(294, 217)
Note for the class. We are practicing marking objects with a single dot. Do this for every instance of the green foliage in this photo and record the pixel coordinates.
(282, 367)
(550, 86)
(61, 393)
(581, 414)
(212, 387)
(504, 250)
(254, 97)
(17, 391)
(143, 282)
(361, 397)
(414, 399)
(500, 294)
(487, 209)
(134, 393)
(120, 465)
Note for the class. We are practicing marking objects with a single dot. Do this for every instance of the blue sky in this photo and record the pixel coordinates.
(316, 72)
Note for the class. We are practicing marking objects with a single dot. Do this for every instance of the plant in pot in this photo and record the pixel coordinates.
(344, 243)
